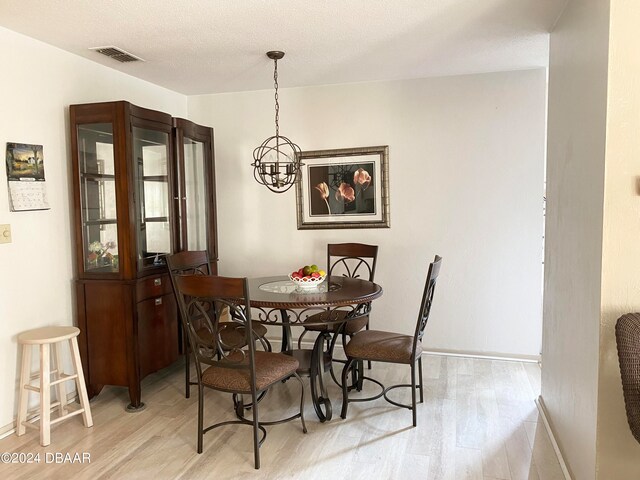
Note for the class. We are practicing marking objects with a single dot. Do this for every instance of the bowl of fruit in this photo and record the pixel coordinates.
(308, 277)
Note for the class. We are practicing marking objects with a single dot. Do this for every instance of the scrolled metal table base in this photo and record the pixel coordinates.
(319, 394)
(342, 300)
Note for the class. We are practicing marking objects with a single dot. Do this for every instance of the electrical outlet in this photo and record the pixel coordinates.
(5, 233)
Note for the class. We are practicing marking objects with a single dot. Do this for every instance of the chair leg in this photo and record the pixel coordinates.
(60, 388)
(345, 389)
(366, 327)
(256, 425)
(420, 380)
(359, 378)
(187, 369)
(413, 394)
(45, 396)
(25, 379)
(304, 426)
(200, 415)
(80, 385)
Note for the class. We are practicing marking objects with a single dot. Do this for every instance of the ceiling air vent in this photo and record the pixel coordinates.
(117, 54)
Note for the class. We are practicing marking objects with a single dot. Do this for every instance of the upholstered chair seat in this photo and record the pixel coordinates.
(269, 369)
(379, 346)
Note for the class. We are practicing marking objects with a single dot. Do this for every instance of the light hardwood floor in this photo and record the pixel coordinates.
(478, 421)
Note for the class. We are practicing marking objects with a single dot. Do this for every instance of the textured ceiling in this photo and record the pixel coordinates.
(210, 46)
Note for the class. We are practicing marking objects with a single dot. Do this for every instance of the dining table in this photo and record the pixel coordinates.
(279, 301)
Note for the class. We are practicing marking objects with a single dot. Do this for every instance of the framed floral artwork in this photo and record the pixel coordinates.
(344, 188)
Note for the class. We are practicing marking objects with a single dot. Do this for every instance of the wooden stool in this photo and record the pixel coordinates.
(45, 337)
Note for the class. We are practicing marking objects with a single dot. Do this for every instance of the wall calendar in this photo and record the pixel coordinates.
(25, 175)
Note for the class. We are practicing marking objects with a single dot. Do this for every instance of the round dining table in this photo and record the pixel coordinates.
(337, 300)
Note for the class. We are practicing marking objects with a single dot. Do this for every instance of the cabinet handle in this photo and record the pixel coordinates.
(158, 301)
(157, 282)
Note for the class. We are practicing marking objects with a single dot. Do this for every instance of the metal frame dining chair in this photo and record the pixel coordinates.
(379, 346)
(354, 260)
(196, 262)
(230, 368)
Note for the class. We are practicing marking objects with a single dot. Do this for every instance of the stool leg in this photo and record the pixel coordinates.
(60, 388)
(45, 395)
(82, 389)
(23, 394)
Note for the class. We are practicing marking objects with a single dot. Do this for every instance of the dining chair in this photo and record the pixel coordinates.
(628, 343)
(196, 262)
(391, 347)
(355, 260)
(230, 368)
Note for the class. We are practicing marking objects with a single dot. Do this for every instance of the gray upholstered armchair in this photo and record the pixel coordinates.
(628, 341)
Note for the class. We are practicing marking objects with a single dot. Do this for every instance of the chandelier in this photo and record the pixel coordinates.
(276, 162)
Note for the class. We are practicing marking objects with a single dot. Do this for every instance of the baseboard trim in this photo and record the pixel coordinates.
(508, 357)
(32, 418)
(547, 425)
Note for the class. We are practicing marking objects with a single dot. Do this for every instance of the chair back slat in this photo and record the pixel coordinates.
(628, 343)
(355, 260)
(195, 262)
(427, 300)
(201, 300)
(189, 262)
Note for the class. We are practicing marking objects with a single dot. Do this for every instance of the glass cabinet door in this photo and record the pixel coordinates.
(151, 162)
(195, 193)
(98, 197)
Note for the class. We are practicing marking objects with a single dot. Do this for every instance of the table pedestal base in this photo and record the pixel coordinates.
(315, 363)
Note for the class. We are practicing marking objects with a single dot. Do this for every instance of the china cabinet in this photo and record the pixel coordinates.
(143, 187)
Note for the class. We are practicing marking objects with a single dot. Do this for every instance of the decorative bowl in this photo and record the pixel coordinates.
(308, 283)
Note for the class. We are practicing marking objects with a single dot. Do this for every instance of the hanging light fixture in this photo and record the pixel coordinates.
(276, 162)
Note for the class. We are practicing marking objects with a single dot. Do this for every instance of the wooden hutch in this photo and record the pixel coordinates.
(143, 187)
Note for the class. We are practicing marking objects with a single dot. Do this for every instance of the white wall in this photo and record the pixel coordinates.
(573, 253)
(618, 453)
(466, 171)
(37, 84)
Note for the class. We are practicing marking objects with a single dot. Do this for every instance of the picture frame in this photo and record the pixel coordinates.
(343, 188)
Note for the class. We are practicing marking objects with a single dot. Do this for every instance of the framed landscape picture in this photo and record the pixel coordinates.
(344, 188)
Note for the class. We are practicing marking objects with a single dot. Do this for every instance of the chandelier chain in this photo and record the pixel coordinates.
(275, 84)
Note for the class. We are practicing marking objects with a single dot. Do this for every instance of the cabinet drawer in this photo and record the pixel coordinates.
(153, 286)
(157, 333)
